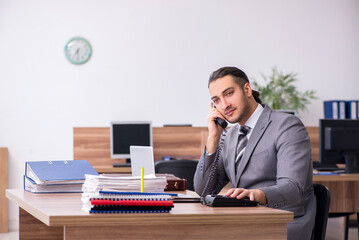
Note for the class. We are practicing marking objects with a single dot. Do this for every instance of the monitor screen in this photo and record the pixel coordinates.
(125, 134)
(338, 140)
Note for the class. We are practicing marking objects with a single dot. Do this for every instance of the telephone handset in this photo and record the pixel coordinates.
(220, 121)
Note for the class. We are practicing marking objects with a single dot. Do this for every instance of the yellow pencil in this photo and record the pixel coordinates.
(142, 180)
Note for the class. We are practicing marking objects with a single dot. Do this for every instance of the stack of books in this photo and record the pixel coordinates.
(128, 202)
(56, 176)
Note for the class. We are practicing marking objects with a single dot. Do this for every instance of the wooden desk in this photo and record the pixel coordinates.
(344, 194)
(344, 191)
(54, 216)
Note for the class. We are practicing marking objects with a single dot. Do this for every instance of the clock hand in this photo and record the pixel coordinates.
(77, 53)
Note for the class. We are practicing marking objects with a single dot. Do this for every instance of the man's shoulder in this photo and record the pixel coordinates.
(279, 115)
(281, 120)
(283, 115)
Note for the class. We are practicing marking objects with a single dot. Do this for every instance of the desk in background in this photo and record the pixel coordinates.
(93, 144)
(54, 216)
(344, 189)
(344, 192)
(109, 169)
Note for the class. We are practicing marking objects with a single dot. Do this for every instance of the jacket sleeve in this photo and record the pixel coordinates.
(294, 170)
(203, 171)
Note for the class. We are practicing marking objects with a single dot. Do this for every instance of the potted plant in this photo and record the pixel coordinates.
(280, 93)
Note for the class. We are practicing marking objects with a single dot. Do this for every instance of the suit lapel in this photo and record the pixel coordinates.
(258, 131)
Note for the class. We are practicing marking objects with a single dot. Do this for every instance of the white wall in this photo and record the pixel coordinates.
(151, 61)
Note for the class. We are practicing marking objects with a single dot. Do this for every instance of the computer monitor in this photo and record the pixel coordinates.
(124, 134)
(339, 142)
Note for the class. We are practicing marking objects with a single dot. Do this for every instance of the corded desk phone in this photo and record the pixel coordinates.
(223, 201)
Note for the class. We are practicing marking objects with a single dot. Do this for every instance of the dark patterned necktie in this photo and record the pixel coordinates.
(241, 144)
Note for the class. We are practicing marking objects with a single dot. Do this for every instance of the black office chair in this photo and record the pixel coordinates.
(322, 195)
(180, 168)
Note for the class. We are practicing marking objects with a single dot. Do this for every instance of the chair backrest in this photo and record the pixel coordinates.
(180, 168)
(322, 195)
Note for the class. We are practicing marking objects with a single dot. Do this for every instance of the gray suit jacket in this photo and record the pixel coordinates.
(277, 160)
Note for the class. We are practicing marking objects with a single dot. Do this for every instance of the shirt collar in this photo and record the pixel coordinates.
(253, 119)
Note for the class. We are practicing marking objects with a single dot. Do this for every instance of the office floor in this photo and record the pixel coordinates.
(335, 231)
(9, 236)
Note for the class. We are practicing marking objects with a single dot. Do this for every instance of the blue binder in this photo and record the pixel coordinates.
(334, 109)
(352, 108)
(58, 172)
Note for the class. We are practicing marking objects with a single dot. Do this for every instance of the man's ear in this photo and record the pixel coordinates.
(247, 89)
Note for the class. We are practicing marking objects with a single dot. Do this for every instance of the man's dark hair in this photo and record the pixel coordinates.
(239, 77)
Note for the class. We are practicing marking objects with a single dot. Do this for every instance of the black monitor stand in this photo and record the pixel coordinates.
(127, 164)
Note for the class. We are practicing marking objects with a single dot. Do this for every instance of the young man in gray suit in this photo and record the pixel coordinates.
(266, 155)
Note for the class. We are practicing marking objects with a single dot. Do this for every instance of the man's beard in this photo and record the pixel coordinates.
(242, 115)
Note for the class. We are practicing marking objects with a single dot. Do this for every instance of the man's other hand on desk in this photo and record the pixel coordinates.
(253, 194)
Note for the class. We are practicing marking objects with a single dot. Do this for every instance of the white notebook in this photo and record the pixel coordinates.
(142, 156)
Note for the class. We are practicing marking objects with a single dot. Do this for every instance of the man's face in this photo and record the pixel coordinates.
(230, 99)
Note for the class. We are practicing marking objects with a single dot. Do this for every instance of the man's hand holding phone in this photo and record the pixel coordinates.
(214, 119)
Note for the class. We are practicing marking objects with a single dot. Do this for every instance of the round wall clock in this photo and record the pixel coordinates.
(78, 50)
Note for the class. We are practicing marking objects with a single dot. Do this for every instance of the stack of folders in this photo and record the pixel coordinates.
(341, 109)
(128, 202)
(56, 176)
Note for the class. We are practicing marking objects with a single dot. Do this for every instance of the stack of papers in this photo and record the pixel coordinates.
(95, 185)
(117, 182)
(31, 186)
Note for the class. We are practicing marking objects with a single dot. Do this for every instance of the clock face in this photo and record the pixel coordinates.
(78, 50)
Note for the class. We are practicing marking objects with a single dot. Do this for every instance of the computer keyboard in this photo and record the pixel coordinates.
(325, 167)
(121, 165)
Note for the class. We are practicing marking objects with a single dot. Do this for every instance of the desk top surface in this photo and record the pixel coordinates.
(337, 177)
(65, 209)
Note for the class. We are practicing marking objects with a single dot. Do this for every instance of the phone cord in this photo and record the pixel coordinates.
(208, 188)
